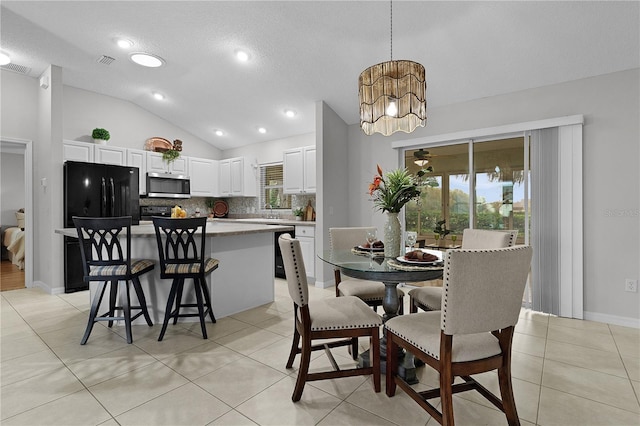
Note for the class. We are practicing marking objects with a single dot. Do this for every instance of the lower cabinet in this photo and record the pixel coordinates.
(306, 236)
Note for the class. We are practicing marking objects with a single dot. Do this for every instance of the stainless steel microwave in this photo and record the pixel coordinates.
(168, 185)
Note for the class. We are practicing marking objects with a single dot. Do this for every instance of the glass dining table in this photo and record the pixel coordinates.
(391, 272)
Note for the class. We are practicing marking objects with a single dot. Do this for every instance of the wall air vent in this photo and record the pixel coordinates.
(106, 60)
(20, 69)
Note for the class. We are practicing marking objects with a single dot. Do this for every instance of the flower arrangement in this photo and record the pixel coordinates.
(392, 190)
(441, 229)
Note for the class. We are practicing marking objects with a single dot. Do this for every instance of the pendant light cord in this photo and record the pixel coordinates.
(391, 26)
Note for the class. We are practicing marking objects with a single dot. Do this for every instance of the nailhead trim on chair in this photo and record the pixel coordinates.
(406, 339)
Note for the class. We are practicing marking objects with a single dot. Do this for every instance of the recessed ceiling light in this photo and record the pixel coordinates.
(242, 56)
(289, 113)
(4, 59)
(158, 96)
(124, 43)
(262, 130)
(147, 60)
(219, 132)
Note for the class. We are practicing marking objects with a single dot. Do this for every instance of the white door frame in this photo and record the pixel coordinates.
(27, 149)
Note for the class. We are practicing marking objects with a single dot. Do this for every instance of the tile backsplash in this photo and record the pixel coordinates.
(238, 207)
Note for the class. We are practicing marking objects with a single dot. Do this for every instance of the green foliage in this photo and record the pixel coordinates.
(298, 211)
(441, 228)
(100, 134)
(170, 155)
(210, 202)
(392, 190)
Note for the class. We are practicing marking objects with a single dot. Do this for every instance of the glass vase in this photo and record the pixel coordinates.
(392, 236)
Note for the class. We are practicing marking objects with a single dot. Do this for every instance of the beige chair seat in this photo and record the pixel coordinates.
(366, 290)
(423, 331)
(342, 313)
(429, 297)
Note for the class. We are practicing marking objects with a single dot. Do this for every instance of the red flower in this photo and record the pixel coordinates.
(375, 185)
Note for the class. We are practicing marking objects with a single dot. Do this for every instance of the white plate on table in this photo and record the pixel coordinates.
(438, 253)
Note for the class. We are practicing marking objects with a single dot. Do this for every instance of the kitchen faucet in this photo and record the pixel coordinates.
(270, 216)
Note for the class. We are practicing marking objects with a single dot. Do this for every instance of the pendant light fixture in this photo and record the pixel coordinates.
(392, 95)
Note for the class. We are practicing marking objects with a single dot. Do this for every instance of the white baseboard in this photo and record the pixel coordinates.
(47, 288)
(612, 319)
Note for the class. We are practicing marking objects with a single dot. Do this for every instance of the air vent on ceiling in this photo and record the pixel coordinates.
(106, 60)
(20, 69)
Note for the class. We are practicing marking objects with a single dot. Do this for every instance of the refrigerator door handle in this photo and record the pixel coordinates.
(113, 197)
(103, 198)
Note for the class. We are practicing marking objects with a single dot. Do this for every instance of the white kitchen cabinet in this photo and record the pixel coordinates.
(306, 236)
(105, 154)
(77, 151)
(138, 158)
(299, 169)
(156, 164)
(204, 177)
(237, 178)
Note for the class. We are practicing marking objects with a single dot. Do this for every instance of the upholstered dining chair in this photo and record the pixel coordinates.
(105, 259)
(344, 318)
(430, 298)
(181, 248)
(371, 292)
(472, 334)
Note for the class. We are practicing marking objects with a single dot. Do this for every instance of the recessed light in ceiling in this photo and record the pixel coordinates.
(158, 96)
(219, 132)
(124, 43)
(289, 113)
(262, 130)
(242, 56)
(4, 59)
(147, 60)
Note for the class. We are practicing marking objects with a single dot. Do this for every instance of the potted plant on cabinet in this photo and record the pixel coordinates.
(170, 155)
(210, 202)
(100, 136)
(298, 213)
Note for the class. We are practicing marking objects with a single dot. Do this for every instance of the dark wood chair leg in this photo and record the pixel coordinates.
(178, 299)
(446, 380)
(95, 305)
(126, 309)
(412, 306)
(167, 312)
(198, 289)
(112, 300)
(294, 347)
(506, 392)
(392, 363)
(303, 371)
(207, 298)
(374, 352)
(142, 300)
(353, 349)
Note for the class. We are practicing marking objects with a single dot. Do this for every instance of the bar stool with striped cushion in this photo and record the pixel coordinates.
(181, 247)
(105, 261)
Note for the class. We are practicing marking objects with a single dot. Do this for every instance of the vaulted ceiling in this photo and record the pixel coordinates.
(305, 51)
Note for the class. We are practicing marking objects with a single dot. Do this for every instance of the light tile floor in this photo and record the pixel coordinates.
(566, 372)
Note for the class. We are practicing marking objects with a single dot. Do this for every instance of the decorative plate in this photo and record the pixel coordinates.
(220, 208)
(157, 145)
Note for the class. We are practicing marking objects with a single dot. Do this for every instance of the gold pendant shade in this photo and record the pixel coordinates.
(392, 97)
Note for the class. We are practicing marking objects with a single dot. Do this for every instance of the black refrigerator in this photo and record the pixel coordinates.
(95, 190)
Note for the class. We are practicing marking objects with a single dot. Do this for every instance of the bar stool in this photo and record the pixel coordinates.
(181, 257)
(104, 260)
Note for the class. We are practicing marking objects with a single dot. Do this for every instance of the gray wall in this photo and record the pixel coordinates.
(271, 151)
(611, 108)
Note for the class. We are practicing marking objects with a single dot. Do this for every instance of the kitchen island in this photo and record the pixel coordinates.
(243, 280)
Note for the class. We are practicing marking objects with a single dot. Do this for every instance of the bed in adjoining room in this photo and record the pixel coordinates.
(13, 240)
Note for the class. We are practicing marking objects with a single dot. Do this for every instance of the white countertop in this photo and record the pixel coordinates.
(269, 221)
(214, 228)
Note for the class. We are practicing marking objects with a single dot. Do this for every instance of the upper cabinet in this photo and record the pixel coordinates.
(204, 177)
(156, 164)
(138, 158)
(77, 151)
(105, 154)
(299, 168)
(237, 178)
